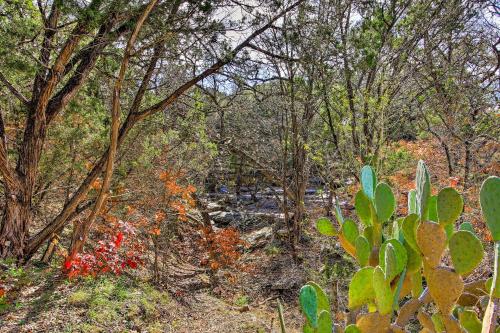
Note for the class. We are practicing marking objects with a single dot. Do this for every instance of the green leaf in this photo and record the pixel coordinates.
(423, 190)
(363, 208)
(363, 250)
(466, 251)
(368, 181)
(322, 297)
(383, 291)
(449, 205)
(410, 225)
(350, 231)
(325, 324)
(468, 319)
(490, 205)
(384, 202)
(361, 288)
(325, 227)
(392, 252)
(412, 202)
(309, 304)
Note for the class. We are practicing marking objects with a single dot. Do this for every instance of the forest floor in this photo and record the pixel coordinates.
(244, 299)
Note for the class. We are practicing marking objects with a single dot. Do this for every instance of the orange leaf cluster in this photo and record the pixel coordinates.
(223, 247)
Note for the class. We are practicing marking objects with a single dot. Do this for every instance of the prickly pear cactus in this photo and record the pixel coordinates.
(408, 262)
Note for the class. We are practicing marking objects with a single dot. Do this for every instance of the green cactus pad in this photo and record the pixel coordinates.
(307, 328)
(368, 181)
(437, 320)
(361, 288)
(449, 229)
(432, 214)
(384, 202)
(338, 213)
(397, 259)
(466, 251)
(409, 226)
(325, 227)
(321, 297)
(423, 190)
(397, 233)
(412, 202)
(363, 250)
(352, 329)
(383, 291)
(309, 304)
(325, 323)
(490, 205)
(416, 284)
(389, 262)
(363, 208)
(449, 205)
(469, 320)
(368, 233)
(414, 259)
(467, 226)
(350, 231)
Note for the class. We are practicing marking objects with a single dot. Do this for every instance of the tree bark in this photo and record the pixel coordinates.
(81, 230)
(14, 231)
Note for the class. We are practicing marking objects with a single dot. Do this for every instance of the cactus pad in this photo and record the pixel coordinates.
(449, 205)
(384, 202)
(431, 240)
(325, 227)
(445, 287)
(383, 292)
(361, 288)
(309, 304)
(466, 251)
(325, 323)
(363, 250)
(363, 208)
(374, 323)
(392, 258)
(368, 181)
(409, 226)
(490, 205)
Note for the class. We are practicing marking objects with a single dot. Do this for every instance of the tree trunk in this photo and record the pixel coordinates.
(14, 231)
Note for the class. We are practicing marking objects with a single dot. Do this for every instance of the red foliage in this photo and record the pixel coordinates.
(114, 254)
